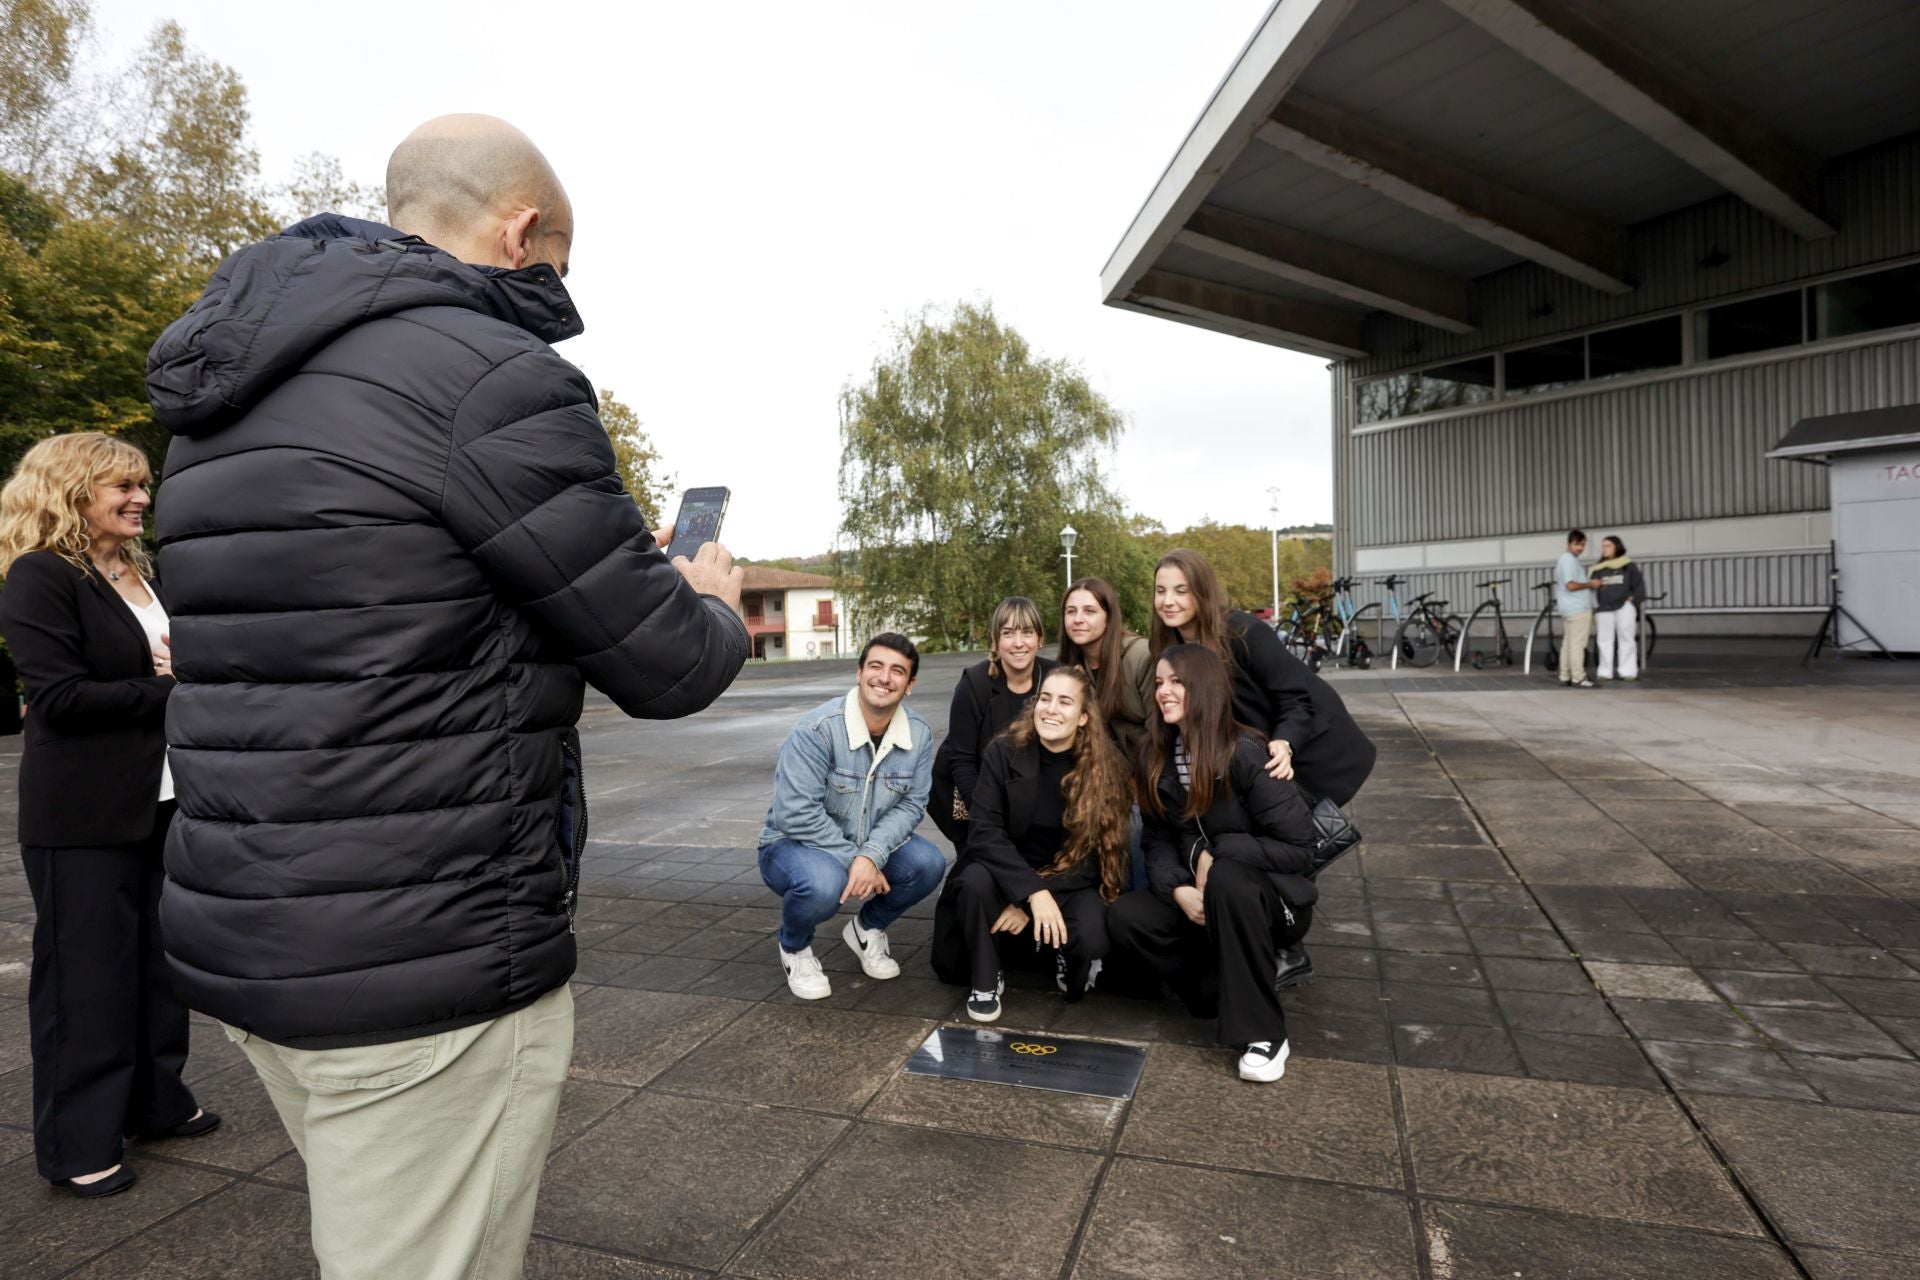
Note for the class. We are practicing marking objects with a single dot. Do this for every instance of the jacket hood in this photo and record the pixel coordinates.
(272, 305)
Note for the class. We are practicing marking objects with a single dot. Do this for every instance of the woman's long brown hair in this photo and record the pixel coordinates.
(1097, 793)
(1208, 728)
(1112, 644)
(1209, 626)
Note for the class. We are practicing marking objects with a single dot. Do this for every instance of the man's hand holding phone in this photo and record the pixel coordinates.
(711, 572)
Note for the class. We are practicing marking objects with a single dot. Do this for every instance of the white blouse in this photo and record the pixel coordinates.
(153, 621)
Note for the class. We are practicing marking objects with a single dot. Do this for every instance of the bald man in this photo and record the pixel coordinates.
(395, 549)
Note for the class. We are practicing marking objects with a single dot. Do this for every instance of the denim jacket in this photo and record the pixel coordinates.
(833, 791)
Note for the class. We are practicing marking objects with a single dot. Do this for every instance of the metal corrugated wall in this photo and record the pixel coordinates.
(1768, 580)
(1686, 448)
(1874, 198)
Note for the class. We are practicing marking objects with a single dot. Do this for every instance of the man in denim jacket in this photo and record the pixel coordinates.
(850, 788)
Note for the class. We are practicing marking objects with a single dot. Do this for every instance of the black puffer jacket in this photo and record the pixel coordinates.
(394, 544)
(1255, 818)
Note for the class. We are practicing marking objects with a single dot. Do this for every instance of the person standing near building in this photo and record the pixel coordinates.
(1049, 848)
(83, 620)
(1573, 601)
(1228, 849)
(396, 549)
(990, 696)
(850, 786)
(1619, 592)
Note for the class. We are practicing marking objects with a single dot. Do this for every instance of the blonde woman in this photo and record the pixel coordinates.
(988, 698)
(82, 616)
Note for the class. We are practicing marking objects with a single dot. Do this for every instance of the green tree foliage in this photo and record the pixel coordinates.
(963, 454)
(636, 459)
(1242, 557)
(120, 189)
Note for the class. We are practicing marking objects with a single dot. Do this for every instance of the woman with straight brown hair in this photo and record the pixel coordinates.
(1228, 848)
(987, 699)
(1093, 636)
(1310, 737)
(82, 616)
(1048, 850)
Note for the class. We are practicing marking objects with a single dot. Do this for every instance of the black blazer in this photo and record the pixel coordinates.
(1002, 810)
(1278, 694)
(1256, 819)
(95, 732)
(983, 707)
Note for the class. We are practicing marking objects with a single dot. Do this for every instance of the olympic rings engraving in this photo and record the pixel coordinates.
(1034, 1050)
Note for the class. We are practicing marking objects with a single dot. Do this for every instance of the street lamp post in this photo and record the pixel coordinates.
(1068, 536)
(1273, 527)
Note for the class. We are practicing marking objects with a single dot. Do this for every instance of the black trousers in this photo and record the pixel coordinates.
(966, 952)
(1230, 964)
(109, 1035)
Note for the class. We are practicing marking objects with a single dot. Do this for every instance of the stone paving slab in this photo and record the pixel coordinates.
(1499, 1068)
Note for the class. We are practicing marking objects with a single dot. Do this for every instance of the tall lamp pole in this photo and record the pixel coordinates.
(1273, 527)
(1068, 536)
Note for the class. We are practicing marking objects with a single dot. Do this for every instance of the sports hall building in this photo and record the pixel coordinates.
(1573, 262)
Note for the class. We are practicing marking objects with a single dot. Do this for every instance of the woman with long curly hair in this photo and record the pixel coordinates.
(1048, 848)
(82, 616)
(1310, 737)
(1228, 846)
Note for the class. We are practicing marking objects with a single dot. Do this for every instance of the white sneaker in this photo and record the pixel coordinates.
(805, 977)
(871, 946)
(1264, 1063)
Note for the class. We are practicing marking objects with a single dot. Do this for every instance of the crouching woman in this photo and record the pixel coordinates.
(1047, 850)
(1227, 848)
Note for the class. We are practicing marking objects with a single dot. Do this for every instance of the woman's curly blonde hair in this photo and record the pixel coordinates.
(43, 506)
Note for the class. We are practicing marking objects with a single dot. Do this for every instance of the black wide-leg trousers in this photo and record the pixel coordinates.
(1232, 961)
(109, 1036)
(966, 950)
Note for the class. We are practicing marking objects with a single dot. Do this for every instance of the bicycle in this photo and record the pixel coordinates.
(1426, 633)
(1356, 625)
(1302, 631)
(1349, 644)
(1503, 652)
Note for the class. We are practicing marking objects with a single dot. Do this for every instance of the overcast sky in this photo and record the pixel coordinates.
(762, 189)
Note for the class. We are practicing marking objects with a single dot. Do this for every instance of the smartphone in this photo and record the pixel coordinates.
(699, 520)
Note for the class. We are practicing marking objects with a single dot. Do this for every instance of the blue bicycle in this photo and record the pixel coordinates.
(1366, 632)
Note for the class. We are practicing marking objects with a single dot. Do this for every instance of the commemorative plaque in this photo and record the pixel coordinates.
(1030, 1061)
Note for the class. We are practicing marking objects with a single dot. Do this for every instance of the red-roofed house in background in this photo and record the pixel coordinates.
(793, 615)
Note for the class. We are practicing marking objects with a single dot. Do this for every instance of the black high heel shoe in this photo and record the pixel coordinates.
(111, 1185)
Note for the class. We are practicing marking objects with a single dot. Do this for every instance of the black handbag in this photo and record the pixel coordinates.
(1337, 835)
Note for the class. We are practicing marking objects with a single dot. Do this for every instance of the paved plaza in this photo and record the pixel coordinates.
(1623, 984)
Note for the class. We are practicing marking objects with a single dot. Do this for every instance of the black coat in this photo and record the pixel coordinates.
(1002, 810)
(95, 732)
(1255, 819)
(1276, 693)
(983, 706)
(395, 543)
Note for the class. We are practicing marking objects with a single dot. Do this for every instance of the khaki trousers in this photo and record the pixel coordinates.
(1573, 649)
(424, 1156)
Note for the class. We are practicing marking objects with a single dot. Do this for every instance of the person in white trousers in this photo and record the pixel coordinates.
(1619, 592)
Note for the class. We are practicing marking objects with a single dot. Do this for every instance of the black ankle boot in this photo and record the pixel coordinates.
(1296, 967)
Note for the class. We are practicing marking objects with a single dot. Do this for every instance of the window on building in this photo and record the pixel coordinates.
(1756, 324)
(823, 614)
(1545, 367)
(1636, 348)
(775, 604)
(1861, 304)
(1448, 386)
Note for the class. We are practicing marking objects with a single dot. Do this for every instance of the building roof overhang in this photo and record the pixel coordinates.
(1366, 156)
(1817, 439)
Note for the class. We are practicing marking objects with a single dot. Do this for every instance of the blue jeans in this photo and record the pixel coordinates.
(810, 883)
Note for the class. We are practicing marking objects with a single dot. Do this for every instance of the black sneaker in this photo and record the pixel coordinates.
(1296, 967)
(984, 1006)
(1264, 1061)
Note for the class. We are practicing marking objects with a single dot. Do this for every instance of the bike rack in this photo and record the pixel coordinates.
(1526, 663)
